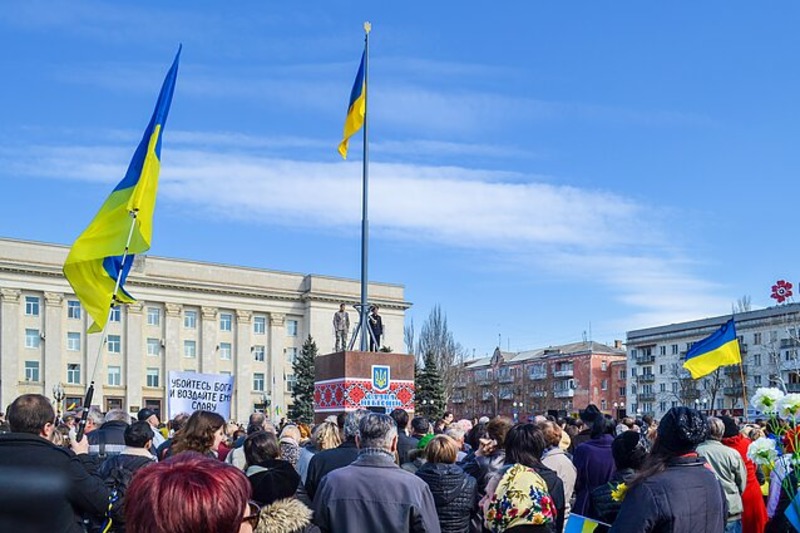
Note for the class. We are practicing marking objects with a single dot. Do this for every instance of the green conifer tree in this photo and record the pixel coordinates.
(429, 390)
(302, 409)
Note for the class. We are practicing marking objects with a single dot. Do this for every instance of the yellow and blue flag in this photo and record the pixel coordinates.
(95, 259)
(580, 524)
(357, 109)
(719, 349)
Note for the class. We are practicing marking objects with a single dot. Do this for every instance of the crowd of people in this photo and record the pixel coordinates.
(370, 472)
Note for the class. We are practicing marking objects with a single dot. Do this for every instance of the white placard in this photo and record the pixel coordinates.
(188, 392)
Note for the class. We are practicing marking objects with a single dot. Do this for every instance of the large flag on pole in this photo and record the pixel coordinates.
(95, 260)
(721, 348)
(356, 110)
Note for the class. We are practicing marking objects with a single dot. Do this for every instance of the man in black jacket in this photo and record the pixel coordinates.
(404, 443)
(31, 418)
(109, 439)
(327, 461)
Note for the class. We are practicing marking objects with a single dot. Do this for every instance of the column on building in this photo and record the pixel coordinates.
(242, 404)
(173, 347)
(209, 348)
(134, 355)
(10, 345)
(277, 363)
(54, 340)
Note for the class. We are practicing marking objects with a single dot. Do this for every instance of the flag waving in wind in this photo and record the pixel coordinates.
(95, 260)
(357, 109)
(721, 348)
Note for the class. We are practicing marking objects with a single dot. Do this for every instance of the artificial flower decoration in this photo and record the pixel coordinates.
(763, 451)
(781, 291)
(789, 405)
(618, 494)
(766, 399)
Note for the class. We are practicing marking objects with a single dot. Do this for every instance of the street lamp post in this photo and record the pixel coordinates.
(517, 406)
(58, 396)
(616, 410)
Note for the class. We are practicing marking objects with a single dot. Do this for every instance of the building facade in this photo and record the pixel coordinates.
(557, 378)
(768, 341)
(190, 316)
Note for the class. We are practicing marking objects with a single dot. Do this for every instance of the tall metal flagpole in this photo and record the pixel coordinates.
(90, 391)
(364, 311)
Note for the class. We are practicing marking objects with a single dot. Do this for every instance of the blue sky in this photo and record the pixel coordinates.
(540, 170)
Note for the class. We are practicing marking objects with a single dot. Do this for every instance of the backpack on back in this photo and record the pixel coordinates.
(118, 471)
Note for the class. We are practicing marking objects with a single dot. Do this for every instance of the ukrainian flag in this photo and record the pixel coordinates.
(95, 260)
(580, 524)
(357, 110)
(719, 349)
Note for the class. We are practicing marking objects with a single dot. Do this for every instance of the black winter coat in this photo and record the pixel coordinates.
(454, 492)
(42, 461)
(685, 498)
(556, 489)
(603, 507)
(108, 439)
(327, 461)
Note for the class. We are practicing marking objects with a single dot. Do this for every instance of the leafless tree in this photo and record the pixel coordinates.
(435, 337)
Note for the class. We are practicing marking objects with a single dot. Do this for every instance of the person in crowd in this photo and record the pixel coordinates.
(236, 456)
(329, 460)
(290, 444)
(587, 417)
(119, 469)
(420, 426)
(202, 433)
(518, 501)
(31, 419)
(455, 432)
(489, 458)
(448, 418)
(675, 491)
(109, 438)
(325, 436)
(271, 477)
(594, 462)
(525, 445)
(754, 512)
(417, 457)
(61, 436)
(373, 493)
(630, 450)
(405, 443)
(453, 490)
(175, 425)
(439, 426)
(151, 417)
(556, 459)
(187, 493)
(730, 470)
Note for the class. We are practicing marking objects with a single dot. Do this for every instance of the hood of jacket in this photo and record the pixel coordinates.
(446, 481)
(284, 516)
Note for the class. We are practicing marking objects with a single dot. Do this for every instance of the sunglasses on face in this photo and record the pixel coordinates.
(254, 511)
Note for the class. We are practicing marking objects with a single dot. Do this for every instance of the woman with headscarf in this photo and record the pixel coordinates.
(675, 491)
(290, 444)
(754, 513)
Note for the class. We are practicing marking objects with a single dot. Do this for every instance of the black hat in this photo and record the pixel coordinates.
(681, 430)
(145, 413)
(629, 449)
(731, 428)
(589, 414)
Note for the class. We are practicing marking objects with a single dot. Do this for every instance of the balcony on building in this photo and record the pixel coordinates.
(789, 343)
(646, 378)
(564, 393)
(733, 370)
(647, 397)
(460, 383)
(537, 374)
(793, 387)
(506, 377)
(645, 359)
(457, 399)
(539, 394)
(735, 390)
(743, 347)
(563, 373)
(506, 395)
(483, 380)
(486, 396)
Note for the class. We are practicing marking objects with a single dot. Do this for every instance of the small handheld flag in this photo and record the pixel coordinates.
(357, 108)
(580, 524)
(721, 348)
(95, 261)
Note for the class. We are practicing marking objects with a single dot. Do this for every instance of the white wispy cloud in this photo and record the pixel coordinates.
(562, 231)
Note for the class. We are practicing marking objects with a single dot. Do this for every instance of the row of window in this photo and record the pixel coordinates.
(33, 305)
(114, 375)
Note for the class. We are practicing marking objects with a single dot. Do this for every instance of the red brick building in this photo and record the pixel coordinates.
(557, 378)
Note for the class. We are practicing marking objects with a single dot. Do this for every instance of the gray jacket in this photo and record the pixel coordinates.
(374, 494)
(557, 459)
(730, 470)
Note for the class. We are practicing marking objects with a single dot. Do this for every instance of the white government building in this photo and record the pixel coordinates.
(768, 340)
(190, 316)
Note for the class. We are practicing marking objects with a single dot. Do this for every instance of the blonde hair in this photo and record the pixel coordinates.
(291, 432)
(441, 449)
(327, 436)
(551, 431)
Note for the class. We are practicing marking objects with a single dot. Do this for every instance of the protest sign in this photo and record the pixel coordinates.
(189, 391)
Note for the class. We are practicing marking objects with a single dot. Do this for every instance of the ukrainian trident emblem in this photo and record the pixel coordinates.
(380, 378)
